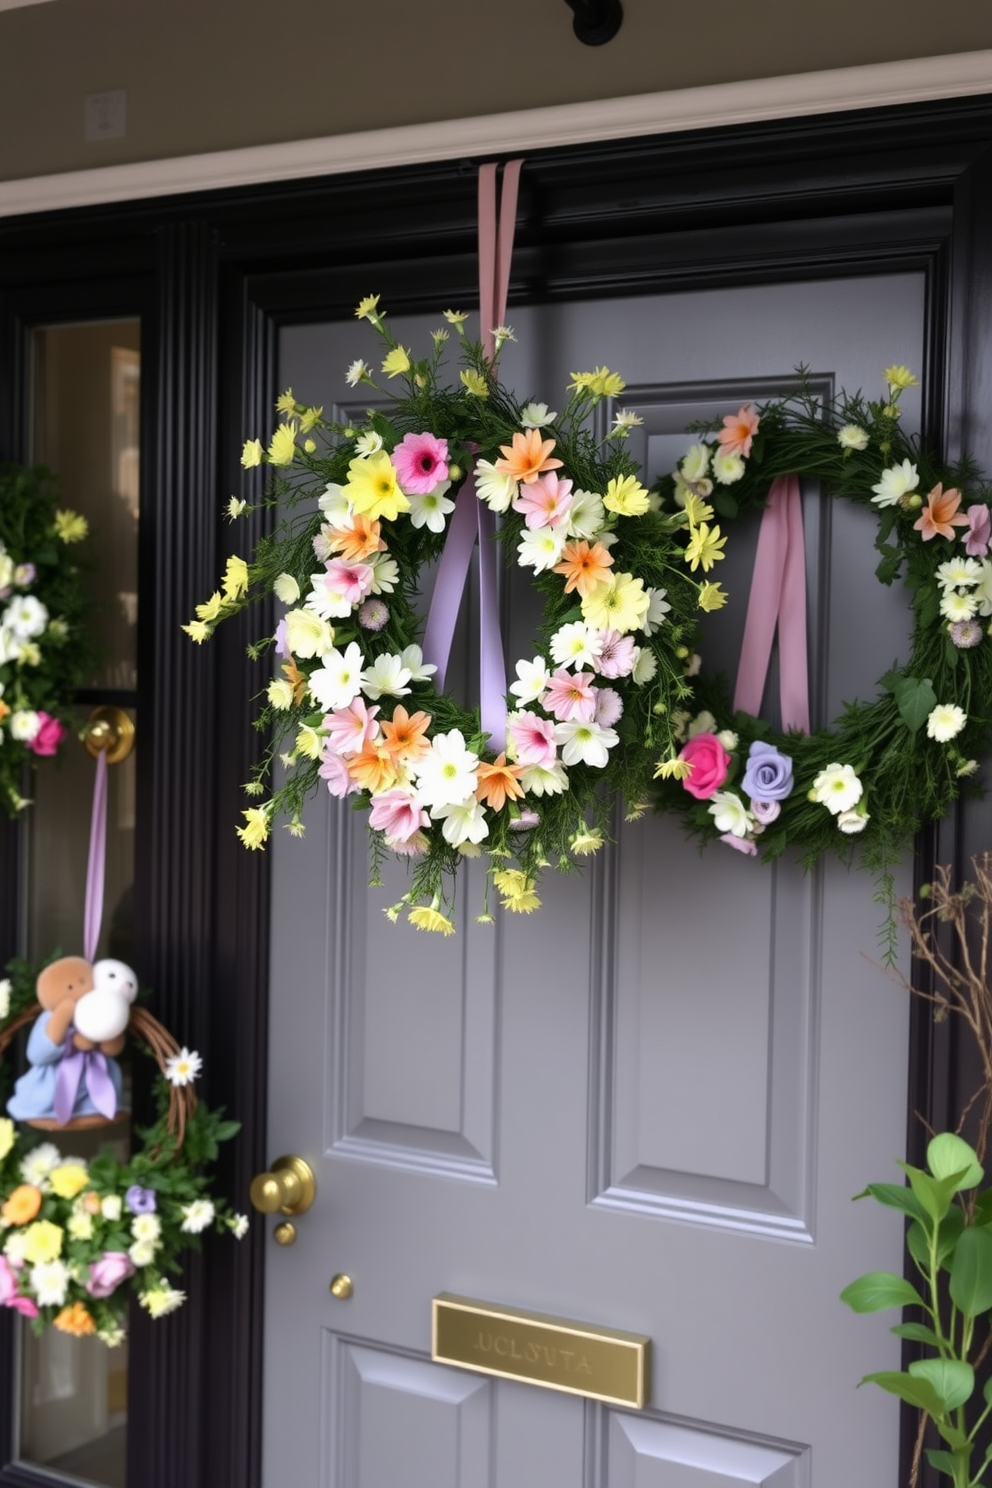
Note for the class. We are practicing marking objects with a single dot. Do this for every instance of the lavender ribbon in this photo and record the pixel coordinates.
(95, 868)
(471, 518)
(89, 1069)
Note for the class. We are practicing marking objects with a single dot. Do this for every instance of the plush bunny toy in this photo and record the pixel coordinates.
(71, 1074)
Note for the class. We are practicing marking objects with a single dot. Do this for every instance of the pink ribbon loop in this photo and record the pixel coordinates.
(778, 599)
(472, 520)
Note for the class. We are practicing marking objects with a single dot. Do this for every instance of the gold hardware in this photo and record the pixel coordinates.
(109, 730)
(290, 1187)
(342, 1287)
(285, 1233)
(579, 1358)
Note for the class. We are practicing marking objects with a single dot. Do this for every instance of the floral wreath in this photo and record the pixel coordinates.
(78, 1238)
(886, 766)
(529, 780)
(45, 650)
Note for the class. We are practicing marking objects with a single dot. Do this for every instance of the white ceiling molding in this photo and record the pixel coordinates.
(917, 80)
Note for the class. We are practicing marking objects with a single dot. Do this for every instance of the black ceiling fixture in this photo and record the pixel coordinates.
(596, 21)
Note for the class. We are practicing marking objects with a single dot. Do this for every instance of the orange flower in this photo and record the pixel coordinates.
(22, 1204)
(357, 541)
(584, 567)
(76, 1320)
(296, 680)
(498, 782)
(4, 708)
(738, 431)
(374, 769)
(404, 736)
(941, 514)
(527, 456)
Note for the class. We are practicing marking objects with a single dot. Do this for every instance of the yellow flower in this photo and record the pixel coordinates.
(517, 890)
(474, 382)
(235, 580)
(396, 361)
(75, 1320)
(68, 1179)
(457, 318)
(256, 829)
(42, 1242)
(70, 526)
(586, 842)
(602, 382)
(286, 403)
(7, 1136)
(252, 453)
(235, 508)
(704, 547)
(368, 309)
(626, 496)
(308, 742)
(308, 418)
(212, 608)
(620, 604)
(426, 917)
(373, 488)
(696, 509)
(198, 631)
(898, 376)
(712, 597)
(673, 769)
(282, 449)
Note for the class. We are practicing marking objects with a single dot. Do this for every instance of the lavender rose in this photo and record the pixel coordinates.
(108, 1272)
(768, 774)
(140, 1200)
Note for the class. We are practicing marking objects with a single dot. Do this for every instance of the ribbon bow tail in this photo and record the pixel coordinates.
(90, 1069)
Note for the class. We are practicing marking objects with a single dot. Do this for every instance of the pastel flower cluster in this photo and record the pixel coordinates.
(40, 604)
(353, 687)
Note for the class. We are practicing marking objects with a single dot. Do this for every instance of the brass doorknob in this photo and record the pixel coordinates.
(289, 1188)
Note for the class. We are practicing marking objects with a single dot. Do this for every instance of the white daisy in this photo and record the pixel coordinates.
(837, 787)
(898, 481)
(196, 1216)
(585, 742)
(413, 660)
(385, 573)
(532, 679)
(945, 722)
(50, 1282)
(645, 666)
(658, 608)
(368, 443)
(495, 487)
(183, 1068)
(386, 677)
(334, 504)
(337, 681)
(695, 463)
(730, 814)
(238, 1225)
(446, 776)
(955, 606)
(26, 617)
(142, 1252)
(24, 724)
(586, 516)
(959, 573)
(465, 823)
(540, 548)
(727, 469)
(357, 372)
(161, 1300)
(286, 589)
(38, 1163)
(545, 780)
(853, 437)
(576, 645)
(429, 509)
(536, 416)
(147, 1227)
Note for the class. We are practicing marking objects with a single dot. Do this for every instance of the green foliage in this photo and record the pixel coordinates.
(40, 665)
(950, 1241)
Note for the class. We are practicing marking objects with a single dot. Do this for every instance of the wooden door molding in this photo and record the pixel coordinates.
(216, 276)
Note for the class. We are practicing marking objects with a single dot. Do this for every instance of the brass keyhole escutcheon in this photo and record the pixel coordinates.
(290, 1187)
(285, 1233)
(342, 1287)
(109, 730)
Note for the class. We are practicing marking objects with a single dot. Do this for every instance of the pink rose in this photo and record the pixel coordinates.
(49, 736)
(108, 1272)
(8, 1291)
(710, 763)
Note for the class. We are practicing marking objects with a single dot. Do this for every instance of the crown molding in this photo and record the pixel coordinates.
(878, 85)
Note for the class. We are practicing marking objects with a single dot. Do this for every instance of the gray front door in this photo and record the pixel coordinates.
(646, 1106)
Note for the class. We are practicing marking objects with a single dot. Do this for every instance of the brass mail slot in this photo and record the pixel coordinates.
(580, 1358)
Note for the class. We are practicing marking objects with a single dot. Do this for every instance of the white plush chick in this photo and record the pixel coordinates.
(103, 1013)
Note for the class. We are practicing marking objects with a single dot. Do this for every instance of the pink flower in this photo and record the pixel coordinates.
(49, 736)
(8, 1291)
(609, 706)
(351, 580)
(545, 502)
(710, 763)
(397, 815)
(334, 770)
(740, 844)
(350, 729)
(526, 821)
(738, 431)
(765, 812)
(421, 462)
(617, 658)
(534, 739)
(976, 539)
(411, 848)
(570, 696)
(108, 1272)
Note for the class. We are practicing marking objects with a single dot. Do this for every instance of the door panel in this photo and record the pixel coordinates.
(646, 1106)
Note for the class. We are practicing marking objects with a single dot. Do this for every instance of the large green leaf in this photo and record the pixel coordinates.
(947, 1236)
(918, 1392)
(952, 1379)
(918, 1332)
(895, 1196)
(880, 1289)
(935, 1194)
(915, 699)
(943, 1461)
(971, 1272)
(948, 1155)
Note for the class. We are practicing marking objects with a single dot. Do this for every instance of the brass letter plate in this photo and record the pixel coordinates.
(580, 1358)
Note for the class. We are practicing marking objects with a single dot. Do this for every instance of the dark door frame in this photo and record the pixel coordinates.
(213, 278)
